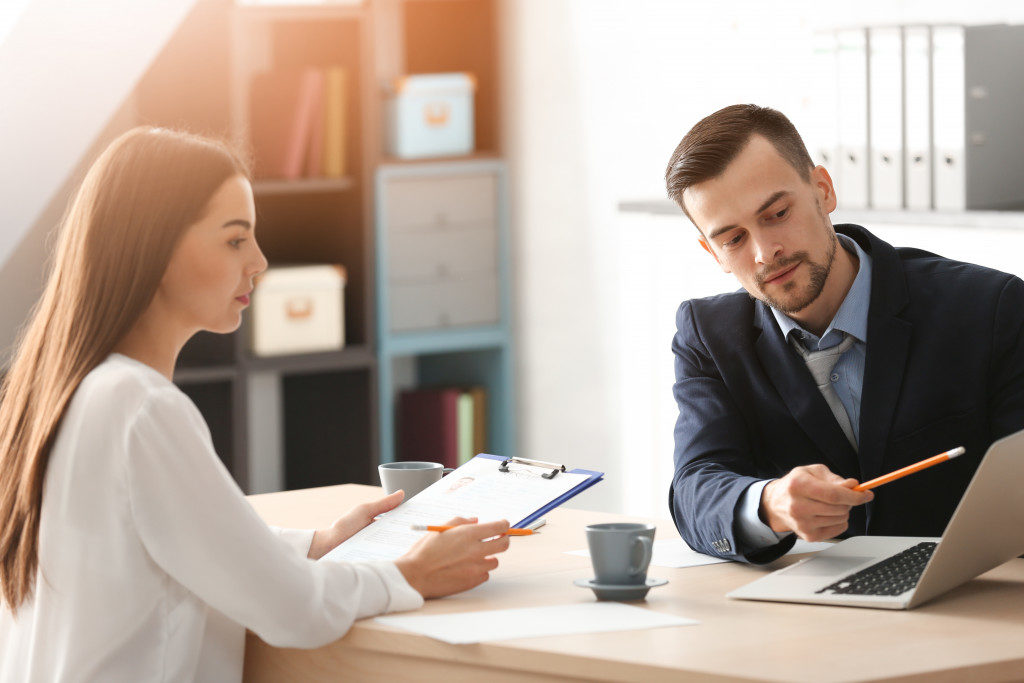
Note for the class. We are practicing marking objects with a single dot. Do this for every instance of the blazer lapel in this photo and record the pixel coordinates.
(793, 381)
(888, 345)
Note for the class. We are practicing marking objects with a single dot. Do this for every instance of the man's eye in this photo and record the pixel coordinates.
(734, 241)
(781, 214)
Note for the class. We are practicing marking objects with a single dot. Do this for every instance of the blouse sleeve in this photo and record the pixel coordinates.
(197, 526)
(299, 539)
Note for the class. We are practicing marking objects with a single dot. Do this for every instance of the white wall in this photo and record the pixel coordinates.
(600, 92)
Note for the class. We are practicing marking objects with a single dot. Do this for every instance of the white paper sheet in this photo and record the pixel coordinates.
(674, 553)
(533, 622)
(476, 489)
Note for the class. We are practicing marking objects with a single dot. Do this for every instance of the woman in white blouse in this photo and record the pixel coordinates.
(127, 552)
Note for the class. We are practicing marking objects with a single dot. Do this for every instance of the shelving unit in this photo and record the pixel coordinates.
(325, 418)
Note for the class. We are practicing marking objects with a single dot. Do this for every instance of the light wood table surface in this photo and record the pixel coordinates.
(975, 632)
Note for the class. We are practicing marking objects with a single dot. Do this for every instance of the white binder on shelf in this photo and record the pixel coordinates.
(821, 129)
(917, 157)
(948, 116)
(852, 186)
(886, 117)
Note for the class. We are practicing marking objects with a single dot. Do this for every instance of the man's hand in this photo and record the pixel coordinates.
(325, 540)
(812, 501)
(446, 562)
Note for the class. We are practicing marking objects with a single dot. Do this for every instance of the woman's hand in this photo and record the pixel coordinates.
(325, 540)
(446, 562)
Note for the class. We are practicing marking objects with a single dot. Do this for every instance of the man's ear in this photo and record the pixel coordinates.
(826, 191)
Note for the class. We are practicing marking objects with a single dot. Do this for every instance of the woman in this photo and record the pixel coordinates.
(126, 550)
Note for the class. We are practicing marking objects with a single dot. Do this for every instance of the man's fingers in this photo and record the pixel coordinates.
(388, 502)
(460, 521)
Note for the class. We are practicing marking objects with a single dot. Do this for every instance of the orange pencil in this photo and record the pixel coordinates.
(910, 469)
(431, 527)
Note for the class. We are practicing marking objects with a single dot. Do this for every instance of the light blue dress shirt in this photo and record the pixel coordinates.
(847, 379)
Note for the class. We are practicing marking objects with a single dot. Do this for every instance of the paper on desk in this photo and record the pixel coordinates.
(534, 622)
(488, 495)
(674, 553)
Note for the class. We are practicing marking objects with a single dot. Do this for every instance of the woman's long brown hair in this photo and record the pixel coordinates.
(114, 245)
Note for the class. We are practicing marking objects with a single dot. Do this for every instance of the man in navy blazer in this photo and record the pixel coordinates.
(930, 356)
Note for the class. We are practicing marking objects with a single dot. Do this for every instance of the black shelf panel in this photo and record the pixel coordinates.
(349, 358)
(327, 426)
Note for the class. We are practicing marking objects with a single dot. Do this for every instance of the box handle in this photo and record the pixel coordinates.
(299, 308)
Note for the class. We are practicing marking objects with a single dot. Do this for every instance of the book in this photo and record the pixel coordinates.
(428, 425)
(465, 427)
(479, 396)
(281, 107)
(488, 487)
(335, 102)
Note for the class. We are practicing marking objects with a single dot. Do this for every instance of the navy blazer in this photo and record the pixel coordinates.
(944, 368)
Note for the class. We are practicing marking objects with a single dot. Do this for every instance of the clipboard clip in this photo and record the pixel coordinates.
(555, 467)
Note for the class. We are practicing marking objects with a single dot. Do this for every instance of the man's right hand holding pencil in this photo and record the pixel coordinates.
(811, 501)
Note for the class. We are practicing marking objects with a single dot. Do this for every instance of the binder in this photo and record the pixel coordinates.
(948, 112)
(852, 186)
(917, 78)
(886, 117)
(487, 487)
(821, 128)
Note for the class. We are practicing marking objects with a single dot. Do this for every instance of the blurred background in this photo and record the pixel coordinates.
(489, 176)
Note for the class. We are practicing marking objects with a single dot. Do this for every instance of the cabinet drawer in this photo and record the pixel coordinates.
(444, 303)
(433, 254)
(436, 202)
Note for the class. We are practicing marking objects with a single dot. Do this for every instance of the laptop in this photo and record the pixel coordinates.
(902, 572)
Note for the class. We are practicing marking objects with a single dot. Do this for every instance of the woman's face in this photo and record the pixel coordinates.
(210, 276)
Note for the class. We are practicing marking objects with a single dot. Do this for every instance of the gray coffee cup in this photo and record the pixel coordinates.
(412, 477)
(620, 552)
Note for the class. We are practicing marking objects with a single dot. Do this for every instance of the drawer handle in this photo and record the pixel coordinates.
(297, 309)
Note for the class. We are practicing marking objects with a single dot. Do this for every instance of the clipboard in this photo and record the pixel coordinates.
(592, 478)
(487, 486)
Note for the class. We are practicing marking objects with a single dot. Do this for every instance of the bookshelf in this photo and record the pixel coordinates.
(325, 418)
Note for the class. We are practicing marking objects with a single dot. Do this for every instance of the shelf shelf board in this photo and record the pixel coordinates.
(348, 358)
(962, 219)
(302, 185)
(301, 11)
(388, 160)
(205, 374)
(443, 341)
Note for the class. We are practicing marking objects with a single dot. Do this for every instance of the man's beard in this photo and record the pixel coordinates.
(819, 275)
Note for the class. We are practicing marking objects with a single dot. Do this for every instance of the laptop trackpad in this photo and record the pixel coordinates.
(826, 566)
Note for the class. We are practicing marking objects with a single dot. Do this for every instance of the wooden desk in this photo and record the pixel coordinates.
(975, 632)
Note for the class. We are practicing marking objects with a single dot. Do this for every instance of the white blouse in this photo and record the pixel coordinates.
(151, 561)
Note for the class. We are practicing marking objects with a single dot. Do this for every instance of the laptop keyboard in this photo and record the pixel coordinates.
(892, 576)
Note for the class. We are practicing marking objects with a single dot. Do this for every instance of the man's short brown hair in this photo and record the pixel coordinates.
(712, 144)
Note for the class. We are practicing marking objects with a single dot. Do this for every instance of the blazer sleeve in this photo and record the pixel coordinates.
(197, 526)
(1006, 406)
(713, 465)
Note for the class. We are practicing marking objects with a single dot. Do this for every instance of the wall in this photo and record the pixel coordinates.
(601, 93)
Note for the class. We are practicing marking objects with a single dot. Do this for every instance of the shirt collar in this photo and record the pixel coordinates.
(852, 316)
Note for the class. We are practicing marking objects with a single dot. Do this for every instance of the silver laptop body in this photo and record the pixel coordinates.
(986, 530)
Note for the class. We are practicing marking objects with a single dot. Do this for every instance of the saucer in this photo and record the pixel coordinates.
(607, 591)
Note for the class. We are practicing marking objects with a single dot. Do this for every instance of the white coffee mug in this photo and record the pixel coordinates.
(412, 477)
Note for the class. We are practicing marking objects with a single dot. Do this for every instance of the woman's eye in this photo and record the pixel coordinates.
(237, 242)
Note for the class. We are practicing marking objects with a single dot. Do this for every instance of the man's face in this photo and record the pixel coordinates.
(768, 226)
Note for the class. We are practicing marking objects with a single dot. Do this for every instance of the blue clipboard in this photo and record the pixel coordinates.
(592, 478)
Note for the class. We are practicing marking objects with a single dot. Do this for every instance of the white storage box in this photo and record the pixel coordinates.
(431, 115)
(298, 309)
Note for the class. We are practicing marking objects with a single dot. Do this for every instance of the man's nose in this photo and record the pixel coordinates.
(766, 249)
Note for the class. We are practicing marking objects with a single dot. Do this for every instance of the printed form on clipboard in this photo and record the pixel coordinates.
(488, 487)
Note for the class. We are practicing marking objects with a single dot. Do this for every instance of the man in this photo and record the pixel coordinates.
(844, 358)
